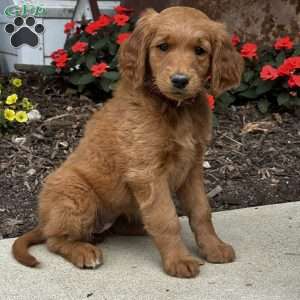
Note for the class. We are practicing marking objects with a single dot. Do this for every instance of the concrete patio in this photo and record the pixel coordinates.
(266, 239)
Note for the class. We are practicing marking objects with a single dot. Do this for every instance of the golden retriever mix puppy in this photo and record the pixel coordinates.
(146, 143)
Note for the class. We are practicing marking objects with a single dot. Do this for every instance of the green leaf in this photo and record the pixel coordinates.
(215, 121)
(86, 79)
(243, 86)
(297, 51)
(283, 98)
(105, 84)
(90, 60)
(125, 28)
(81, 79)
(248, 75)
(114, 63)
(80, 60)
(111, 75)
(224, 101)
(263, 105)
(101, 43)
(249, 94)
(48, 70)
(112, 48)
(280, 58)
(264, 86)
(84, 39)
(74, 78)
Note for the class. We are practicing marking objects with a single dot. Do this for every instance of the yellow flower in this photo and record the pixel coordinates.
(27, 105)
(17, 82)
(21, 117)
(12, 99)
(9, 114)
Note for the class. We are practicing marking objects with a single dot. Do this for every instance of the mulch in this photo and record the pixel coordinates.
(254, 159)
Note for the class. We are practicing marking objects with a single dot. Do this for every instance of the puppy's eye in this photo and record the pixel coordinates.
(163, 47)
(199, 51)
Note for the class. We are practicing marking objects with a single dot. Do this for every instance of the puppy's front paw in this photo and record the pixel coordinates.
(184, 267)
(86, 256)
(218, 252)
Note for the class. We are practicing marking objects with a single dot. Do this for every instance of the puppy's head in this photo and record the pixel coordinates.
(179, 49)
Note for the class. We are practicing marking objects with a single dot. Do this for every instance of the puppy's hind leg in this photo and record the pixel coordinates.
(71, 222)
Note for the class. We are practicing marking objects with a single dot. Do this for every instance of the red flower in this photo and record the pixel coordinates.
(294, 62)
(283, 43)
(120, 20)
(79, 47)
(69, 26)
(268, 73)
(102, 22)
(91, 28)
(99, 69)
(289, 65)
(57, 53)
(211, 101)
(60, 58)
(122, 9)
(286, 68)
(294, 81)
(61, 62)
(249, 50)
(122, 37)
(235, 40)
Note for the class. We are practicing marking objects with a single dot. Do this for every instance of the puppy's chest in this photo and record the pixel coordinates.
(181, 157)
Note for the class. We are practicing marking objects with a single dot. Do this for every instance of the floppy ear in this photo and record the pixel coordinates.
(227, 64)
(134, 51)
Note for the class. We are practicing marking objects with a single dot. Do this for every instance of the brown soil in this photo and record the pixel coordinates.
(250, 163)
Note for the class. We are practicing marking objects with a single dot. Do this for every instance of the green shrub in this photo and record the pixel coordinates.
(271, 77)
(89, 56)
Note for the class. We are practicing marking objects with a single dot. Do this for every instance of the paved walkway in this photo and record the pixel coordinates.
(266, 239)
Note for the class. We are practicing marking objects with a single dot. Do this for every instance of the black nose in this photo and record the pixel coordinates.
(179, 81)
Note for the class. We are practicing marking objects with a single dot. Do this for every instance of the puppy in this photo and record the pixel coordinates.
(146, 143)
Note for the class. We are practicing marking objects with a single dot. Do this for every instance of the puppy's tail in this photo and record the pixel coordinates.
(21, 245)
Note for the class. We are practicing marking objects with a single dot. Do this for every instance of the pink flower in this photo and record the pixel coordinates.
(268, 73)
(283, 43)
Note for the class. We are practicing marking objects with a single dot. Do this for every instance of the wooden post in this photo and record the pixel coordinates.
(95, 9)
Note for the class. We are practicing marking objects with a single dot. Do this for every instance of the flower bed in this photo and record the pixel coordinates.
(15, 107)
(89, 56)
(271, 77)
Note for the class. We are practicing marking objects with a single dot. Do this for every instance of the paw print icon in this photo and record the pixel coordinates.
(24, 32)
